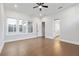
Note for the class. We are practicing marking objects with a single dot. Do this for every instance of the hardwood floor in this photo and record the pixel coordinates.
(40, 47)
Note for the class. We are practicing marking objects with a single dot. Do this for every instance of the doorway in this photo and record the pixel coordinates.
(43, 29)
(57, 28)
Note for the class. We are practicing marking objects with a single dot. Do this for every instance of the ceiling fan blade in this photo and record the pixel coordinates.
(35, 7)
(38, 4)
(42, 3)
(45, 6)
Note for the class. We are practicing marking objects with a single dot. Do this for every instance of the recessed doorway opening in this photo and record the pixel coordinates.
(57, 28)
(43, 29)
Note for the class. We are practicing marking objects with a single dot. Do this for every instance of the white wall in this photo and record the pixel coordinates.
(18, 15)
(49, 27)
(69, 24)
(1, 26)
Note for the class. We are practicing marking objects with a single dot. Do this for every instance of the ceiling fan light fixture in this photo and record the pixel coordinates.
(40, 6)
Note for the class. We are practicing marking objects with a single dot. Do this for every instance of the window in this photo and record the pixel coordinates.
(20, 25)
(25, 27)
(30, 27)
(11, 24)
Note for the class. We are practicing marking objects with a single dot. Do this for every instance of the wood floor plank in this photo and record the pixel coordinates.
(40, 47)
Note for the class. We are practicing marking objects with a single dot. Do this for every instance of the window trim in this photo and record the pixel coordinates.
(17, 27)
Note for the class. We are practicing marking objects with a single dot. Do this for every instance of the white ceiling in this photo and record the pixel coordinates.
(27, 8)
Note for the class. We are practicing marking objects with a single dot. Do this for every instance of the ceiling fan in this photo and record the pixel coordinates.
(40, 5)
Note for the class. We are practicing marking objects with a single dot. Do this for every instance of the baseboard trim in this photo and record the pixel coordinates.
(71, 42)
(1, 47)
(49, 37)
(21, 39)
(67, 41)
